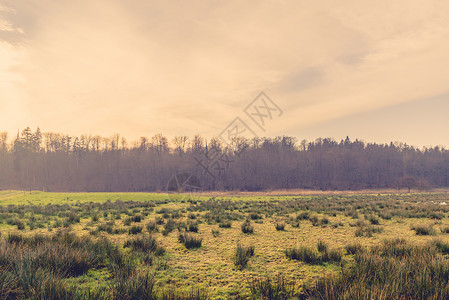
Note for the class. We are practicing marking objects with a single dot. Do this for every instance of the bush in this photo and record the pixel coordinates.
(242, 256)
(215, 232)
(247, 227)
(189, 240)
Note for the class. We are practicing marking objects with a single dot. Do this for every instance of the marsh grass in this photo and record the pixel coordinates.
(189, 241)
(280, 226)
(330, 214)
(423, 229)
(276, 288)
(146, 244)
(247, 228)
(393, 270)
(314, 257)
(242, 256)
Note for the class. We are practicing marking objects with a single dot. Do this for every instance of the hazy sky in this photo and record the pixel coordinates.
(375, 70)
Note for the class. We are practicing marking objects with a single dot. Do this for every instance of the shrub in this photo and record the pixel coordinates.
(215, 232)
(242, 256)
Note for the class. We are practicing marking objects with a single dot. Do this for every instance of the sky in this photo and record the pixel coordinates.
(373, 70)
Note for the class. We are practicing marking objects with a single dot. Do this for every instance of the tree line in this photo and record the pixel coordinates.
(49, 161)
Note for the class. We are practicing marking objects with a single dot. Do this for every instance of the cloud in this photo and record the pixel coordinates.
(186, 67)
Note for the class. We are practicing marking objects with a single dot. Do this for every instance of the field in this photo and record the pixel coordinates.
(223, 246)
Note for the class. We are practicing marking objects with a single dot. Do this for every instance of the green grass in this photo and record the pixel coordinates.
(217, 223)
(43, 198)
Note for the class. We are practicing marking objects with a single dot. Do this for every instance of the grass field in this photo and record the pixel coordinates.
(188, 244)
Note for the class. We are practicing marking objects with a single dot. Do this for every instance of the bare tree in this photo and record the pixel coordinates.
(180, 144)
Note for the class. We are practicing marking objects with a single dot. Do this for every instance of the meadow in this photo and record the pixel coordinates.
(223, 246)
